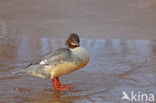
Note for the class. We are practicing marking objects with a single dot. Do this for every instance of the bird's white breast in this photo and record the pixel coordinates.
(81, 53)
(67, 67)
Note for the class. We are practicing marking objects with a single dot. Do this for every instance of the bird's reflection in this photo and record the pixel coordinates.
(57, 94)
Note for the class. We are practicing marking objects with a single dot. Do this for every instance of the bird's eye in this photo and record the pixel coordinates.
(72, 39)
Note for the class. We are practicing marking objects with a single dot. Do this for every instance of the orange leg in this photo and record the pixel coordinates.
(58, 87)
(59, 83)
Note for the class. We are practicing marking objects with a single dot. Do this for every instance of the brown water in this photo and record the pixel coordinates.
(119, 35)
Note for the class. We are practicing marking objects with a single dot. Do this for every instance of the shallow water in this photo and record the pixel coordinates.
(119, 36)
(115, 66)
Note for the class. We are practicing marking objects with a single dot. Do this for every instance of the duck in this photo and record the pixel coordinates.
(60, 62)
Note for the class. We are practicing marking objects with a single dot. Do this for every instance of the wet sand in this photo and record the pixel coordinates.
(119, 36)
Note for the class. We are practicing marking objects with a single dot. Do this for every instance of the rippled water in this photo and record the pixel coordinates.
(118, 34)
(115, 66)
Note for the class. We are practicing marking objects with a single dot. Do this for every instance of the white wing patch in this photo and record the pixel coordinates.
(43, 62)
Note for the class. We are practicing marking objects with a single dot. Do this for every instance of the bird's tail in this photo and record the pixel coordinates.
(17, 71)
(21, 70)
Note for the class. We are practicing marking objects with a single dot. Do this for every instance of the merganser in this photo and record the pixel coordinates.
(60, 62)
